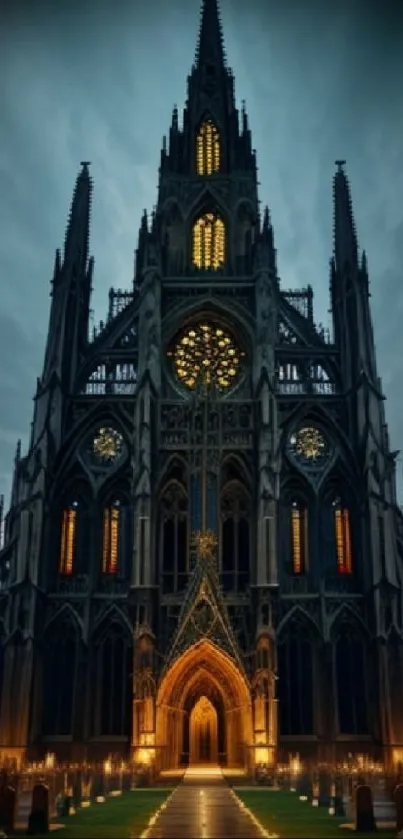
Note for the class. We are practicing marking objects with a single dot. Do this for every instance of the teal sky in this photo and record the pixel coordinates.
(97, 81)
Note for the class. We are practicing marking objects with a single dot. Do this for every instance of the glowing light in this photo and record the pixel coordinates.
(107, 445)
(68, 541)
(299, 538)
(343, 540)
(207, 149)
(208, 247)
(108, 766)
(309, 444)
(50, 760)
(207, 355)
(110, 546)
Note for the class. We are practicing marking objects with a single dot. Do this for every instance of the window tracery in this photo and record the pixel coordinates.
(235, 539)
(207, 149)
(174, 538)
(111, 538)
(206, 353)
(208, 242)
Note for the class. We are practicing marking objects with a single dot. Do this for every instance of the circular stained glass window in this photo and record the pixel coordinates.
(309, 445)
(206, 354)
(107, 445)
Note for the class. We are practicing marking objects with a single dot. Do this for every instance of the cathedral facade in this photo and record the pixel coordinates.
(203, 556)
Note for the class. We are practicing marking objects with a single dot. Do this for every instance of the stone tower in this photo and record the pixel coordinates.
(203, 553)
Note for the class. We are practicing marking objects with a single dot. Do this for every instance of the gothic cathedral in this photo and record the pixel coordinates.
(203, 557)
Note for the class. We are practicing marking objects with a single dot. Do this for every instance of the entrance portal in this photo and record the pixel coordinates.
(204, 711)
(203, 739)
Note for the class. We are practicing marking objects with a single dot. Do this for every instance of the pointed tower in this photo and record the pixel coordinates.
(353, 329)
(71, 290)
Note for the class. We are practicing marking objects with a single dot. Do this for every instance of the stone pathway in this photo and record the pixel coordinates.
(203, 807)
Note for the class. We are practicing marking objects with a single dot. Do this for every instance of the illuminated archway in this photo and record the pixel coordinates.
(205, 671)
(203, 732)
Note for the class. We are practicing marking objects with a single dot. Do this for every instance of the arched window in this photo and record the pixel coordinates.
(299, 537)
(59, 680)
(342, 535)
(235, 539)
(208, 242)
(68, 540)
(351, 683)
(111, 682)
(174, 538)
(116, 537)
(207, 149)
(295, 655)
(111, 538)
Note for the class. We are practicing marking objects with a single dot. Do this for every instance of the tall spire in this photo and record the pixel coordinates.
(345, 237)
(78, 227)
(210, 46)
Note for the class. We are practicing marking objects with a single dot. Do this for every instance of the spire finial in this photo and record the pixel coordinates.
(345, 237)
(210, 46)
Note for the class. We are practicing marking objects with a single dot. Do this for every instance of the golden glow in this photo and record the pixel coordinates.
(308, 443)
(206, 354)
(207, 149)
(68, 541)
(208, 245)
(343, 540)
(205, 543)
(107, 444)
(299, 535)
(110, 541)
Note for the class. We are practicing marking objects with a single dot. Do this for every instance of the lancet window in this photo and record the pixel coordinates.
(111, 538)
(207, 149)
(235, 538)
(299, 537)
(68, 540)
(59, 679)
(111, 682)
(351, 682)
(174, 538)
(342, 534)
(208, 242)
(296, 680)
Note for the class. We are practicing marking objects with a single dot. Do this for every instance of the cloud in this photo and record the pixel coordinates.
(97, 81)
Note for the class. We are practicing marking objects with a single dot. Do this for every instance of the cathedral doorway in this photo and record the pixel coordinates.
(203, 733)
(204, 711)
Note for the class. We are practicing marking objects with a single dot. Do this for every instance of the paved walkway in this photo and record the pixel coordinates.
(203, 807)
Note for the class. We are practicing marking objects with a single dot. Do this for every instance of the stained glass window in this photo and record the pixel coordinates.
(68, 540)
(299, 537)
(206, 354)
(207, 149)
(343, 539)
(309, 446)
(208, 245)
(110, 541)
(107, 445)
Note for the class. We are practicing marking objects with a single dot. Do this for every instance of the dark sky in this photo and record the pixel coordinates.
(96, 80)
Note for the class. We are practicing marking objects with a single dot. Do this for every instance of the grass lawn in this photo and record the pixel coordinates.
(284, 814)
(124, 817)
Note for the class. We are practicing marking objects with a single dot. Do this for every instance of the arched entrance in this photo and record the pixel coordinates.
(204, 683)
(203, 732)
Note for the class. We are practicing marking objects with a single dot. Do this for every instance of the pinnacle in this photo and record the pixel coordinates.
(210, 47)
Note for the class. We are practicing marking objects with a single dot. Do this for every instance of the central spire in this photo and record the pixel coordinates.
(210, 46)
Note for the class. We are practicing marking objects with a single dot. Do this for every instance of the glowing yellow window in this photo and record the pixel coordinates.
(299, 538)
(207, 149)
(110, 541)
(208, 246)
(68, 541)
(343, 540)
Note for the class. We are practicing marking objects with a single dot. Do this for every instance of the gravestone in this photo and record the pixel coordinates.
(398, 796)
(364, 809)
(38, 821)
(8, 803)
(97, 786)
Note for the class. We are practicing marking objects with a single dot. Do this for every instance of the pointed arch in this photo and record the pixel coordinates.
(174, 536)
(116, 530)
(298, 639)
(336, 526)
(60, 657)
(351, 667)
(208, 147)
(176, 467)
(66, 614)
(70, 534)
(110, 675)
(235, 529)
(295, 514)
